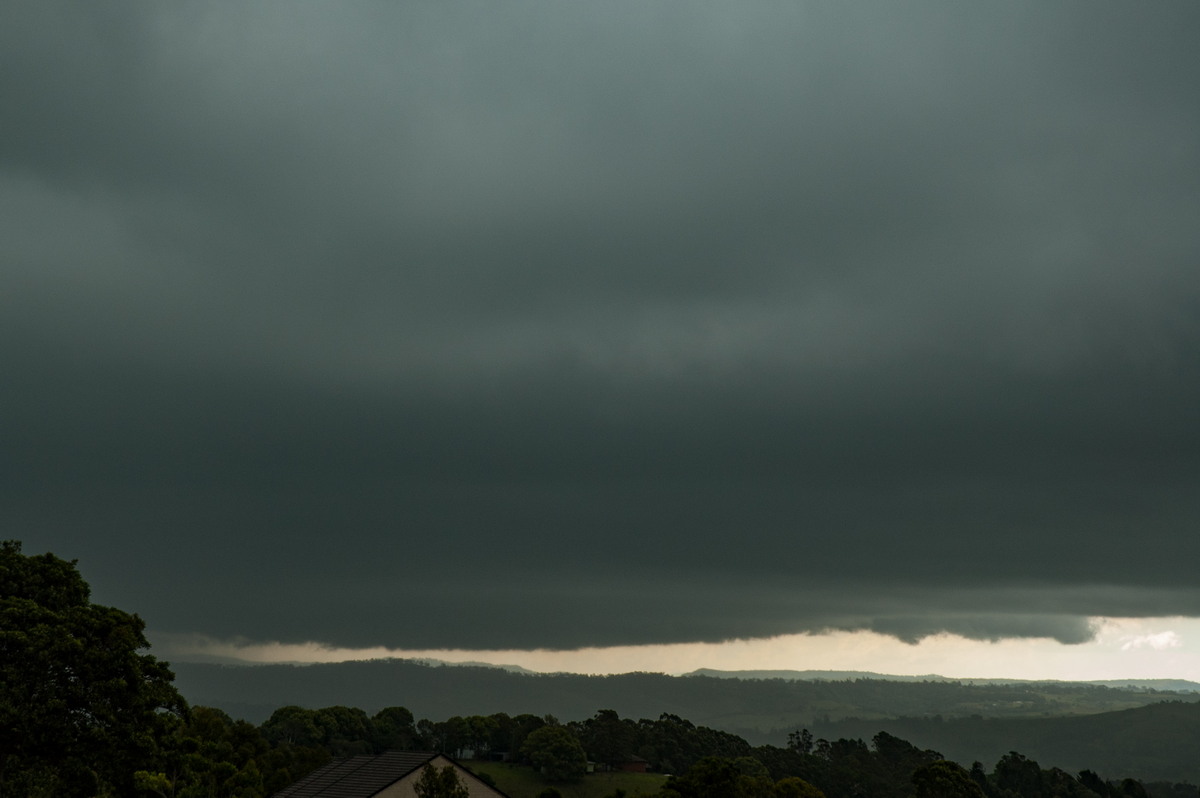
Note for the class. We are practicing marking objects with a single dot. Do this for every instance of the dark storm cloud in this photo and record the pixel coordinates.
(549, 325)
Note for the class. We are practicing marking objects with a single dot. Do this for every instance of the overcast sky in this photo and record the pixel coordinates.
(518, 325)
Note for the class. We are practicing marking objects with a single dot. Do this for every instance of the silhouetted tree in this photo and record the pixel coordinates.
(943, 779)
(556, 752)
(81, 709)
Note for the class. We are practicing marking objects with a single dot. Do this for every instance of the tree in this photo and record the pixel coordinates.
(454, 734)
(211, 755)
(440, 783)
(1016, 773)
(800, 741)
(1132, 788)
(556, 752)
(293, 725)
(607, 738)
(482, 730)
(394, 729)
(944, 779)
(794, 787)
(521, 727)
(720, 777)
(346, 731)
(980, 777)
(81, 709)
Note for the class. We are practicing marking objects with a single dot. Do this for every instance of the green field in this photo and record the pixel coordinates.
(521, 781)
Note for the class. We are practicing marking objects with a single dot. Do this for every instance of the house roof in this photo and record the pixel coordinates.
(358, 776)
(362, 776)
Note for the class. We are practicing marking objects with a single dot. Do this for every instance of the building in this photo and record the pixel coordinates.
(634, 764)
(388, 775)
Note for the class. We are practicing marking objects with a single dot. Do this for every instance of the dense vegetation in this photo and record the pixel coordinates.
(209, 754)
(1155, 742)
(80, 706)
(83, 712)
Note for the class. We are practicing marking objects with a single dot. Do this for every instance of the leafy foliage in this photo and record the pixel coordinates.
(80, 706)
(717, 777)
(556, 752)
(943, 779)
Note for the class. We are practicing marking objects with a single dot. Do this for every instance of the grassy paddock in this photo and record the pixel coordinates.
(521, 781)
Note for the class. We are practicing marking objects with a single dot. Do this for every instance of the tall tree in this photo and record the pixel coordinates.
(607, 738)
(1018, 774)
(944, 779)
(394, 729)
(556, 752)
(81, 708)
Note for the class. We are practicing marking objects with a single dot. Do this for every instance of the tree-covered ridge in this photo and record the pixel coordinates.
(1155, 742)
(762, 710)
(1075, 726)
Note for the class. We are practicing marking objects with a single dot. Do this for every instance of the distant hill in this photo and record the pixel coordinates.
(1154, 742)
(761, 710)
(1170, 685)
(818, 676)
(441, 662)
(1161, 685)
(1132, 728)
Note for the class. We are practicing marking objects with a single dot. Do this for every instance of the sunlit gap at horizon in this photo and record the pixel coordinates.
(1123, 648)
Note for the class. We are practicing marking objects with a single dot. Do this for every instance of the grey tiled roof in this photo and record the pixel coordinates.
(357, 777)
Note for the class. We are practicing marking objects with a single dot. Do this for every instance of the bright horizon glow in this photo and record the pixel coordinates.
(1123, 648)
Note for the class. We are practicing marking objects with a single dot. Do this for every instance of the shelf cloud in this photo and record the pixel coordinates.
(551, 326)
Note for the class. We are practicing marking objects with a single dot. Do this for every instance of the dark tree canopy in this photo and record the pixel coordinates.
(556, 752)
(944, 779)
(718, 777)
(80, 706)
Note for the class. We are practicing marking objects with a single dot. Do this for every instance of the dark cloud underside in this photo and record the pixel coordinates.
(549, 325)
